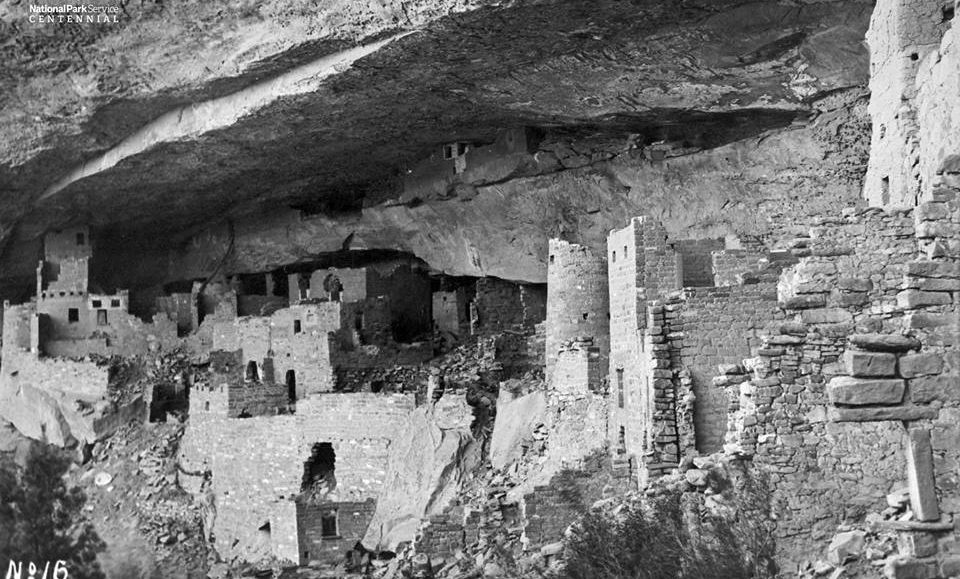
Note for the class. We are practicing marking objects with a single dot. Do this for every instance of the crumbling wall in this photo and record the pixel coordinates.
(854, 396)
(577, 371)
(552, 507)
(730, 266)
(180, 308)
(577, 300)
(721, 326)
(360, 426)
(257, 467)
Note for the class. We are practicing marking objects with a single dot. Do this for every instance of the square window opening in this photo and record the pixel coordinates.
(328, 524)
(73, 315)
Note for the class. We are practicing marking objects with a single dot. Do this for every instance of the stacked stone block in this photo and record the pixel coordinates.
(662, 445)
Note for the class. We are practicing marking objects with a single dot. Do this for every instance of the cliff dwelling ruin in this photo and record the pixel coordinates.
(444, 289)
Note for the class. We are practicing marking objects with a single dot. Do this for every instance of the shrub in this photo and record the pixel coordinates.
(42, 519)
(674, 536)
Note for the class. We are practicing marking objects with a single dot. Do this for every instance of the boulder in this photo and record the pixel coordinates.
(846, 546)
(899, 498)
(516, 420)
(696, 477)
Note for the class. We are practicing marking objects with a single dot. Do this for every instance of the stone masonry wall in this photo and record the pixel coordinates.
(498, 306)
(577, 300)
(856, 394)
(629, 411)
(257, 463)
(353, 518)
(902, 33)
(938, 84)
(721, 326)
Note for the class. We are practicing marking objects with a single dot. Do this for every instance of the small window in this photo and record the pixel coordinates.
(81, 239)
(297, 328)
(97, 303)
(73, 315)
(585, 316)
(206, 406)
(114, 303)
(551, 259)
(620, 392)
(914, 56)
(885, 190)
(328, 523)
(461, 149)
(447, 151)
(614, 257)
(625, 254)
(102, 317)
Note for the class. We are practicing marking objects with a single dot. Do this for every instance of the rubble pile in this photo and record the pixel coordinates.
(131, 482)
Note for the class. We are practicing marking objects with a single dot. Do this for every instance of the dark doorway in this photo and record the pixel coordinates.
(303, 285)
(318, 471)
(252, 375)
(332, 285)
(291, 386)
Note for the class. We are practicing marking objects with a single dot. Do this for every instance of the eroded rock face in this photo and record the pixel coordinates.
(770, 185)
(470, 70)
(426, 469)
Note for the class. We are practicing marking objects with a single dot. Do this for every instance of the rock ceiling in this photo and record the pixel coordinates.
(185, 113)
